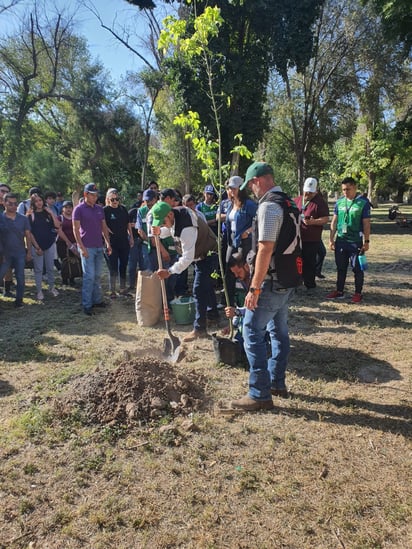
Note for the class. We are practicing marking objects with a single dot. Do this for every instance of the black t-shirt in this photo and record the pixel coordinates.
(117, 220)
(132, 220)
(43, 229)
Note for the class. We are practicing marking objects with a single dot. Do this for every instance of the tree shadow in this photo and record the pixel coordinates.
(317, 362)
(331, 318)
(6, 388)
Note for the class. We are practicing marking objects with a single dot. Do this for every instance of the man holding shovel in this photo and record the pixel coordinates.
(198, 244)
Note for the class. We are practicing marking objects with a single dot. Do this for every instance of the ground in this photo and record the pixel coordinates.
(105, 444)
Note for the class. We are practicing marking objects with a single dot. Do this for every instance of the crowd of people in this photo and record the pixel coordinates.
(269, 245)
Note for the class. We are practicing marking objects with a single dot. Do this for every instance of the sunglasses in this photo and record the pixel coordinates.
(114, 199)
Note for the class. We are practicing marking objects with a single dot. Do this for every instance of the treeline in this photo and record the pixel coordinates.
(315, 87)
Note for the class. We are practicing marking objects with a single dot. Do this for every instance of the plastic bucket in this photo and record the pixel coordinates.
(183, 309)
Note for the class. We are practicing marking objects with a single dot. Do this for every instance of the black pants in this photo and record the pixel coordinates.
(309, 252)
(320, 257)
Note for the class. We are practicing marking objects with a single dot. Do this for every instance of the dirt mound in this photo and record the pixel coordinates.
(139, 389)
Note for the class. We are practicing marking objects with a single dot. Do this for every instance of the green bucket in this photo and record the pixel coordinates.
(183, 309)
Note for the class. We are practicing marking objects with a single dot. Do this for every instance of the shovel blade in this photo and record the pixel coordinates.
(171, 349)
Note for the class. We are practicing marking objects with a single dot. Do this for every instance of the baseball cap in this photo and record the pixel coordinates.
(256, 170)
(310, 185)
(235, 182)
(149, 195)
(209, 189)
(159, 211)
(91, 188)
(67, 203)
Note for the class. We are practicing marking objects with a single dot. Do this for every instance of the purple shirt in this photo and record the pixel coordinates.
(91, 219)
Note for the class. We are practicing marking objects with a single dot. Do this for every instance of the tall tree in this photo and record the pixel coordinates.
(310, 105)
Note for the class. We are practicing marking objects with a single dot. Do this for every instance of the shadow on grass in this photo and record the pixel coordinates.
(6, 388)
(399, 423)
(331, 363)
(330, 319)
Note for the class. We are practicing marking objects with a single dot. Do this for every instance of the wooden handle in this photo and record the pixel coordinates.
(162, 282)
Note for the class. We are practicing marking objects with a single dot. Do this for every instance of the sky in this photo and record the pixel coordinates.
(102, 45)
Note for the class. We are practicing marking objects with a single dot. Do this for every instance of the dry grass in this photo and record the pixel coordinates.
(330, 468)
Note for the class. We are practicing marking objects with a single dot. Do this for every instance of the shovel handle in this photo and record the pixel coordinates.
(162, 282)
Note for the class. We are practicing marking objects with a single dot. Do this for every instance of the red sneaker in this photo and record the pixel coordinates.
(356, 298)
(335, 295)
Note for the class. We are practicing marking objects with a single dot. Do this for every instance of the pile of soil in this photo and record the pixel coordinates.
(138, 389)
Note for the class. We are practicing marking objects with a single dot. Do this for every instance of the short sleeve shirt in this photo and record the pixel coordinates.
(91, 219)
(269, 219)
(14, 234)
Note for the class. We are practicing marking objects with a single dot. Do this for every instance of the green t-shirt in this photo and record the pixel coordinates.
(350, 215)
(209, 211)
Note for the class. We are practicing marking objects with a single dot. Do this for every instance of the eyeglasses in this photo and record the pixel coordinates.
(114, 199)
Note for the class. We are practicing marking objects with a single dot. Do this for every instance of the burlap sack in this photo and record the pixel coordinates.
(148, 299)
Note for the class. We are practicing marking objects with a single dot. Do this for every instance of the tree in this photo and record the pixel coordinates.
(396, 20)
(310, 106)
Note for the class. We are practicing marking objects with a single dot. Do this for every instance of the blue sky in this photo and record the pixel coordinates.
(115, 57)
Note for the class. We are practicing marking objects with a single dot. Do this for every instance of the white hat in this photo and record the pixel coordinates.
(235, 182)
(310, 185)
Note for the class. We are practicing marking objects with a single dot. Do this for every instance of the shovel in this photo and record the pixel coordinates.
(171, 345)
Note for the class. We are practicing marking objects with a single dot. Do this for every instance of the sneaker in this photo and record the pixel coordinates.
(282, 393)
(18, 304)
(357, 298)
(8, 293)
(88, 311)
(100, 305)
(40, 296)
(113, 295)
(247, 404)
(335, 295)
(321, 276)
(54, 292)
(196, 334)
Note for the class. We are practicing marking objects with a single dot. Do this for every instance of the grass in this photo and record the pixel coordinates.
(330, 468)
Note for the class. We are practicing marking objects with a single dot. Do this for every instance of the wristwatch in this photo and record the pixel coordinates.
(256, 291)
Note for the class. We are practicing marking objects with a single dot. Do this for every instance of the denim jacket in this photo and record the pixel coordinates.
(243, 220)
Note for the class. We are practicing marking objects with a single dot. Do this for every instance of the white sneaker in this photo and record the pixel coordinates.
(40, 296)
(54, 292)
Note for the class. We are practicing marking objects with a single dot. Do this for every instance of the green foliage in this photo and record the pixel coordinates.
(253, 37)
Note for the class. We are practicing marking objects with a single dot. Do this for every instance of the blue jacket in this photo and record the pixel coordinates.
(243, 220)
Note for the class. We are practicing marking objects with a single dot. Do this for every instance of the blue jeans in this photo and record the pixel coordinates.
(18, 263)
(203, 290)
(271, 315)
(135, 261)
(92, 267)
(145, 264)
(345, 253)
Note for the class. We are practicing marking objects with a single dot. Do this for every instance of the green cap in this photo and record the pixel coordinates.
(159, 211)
(256, 170)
